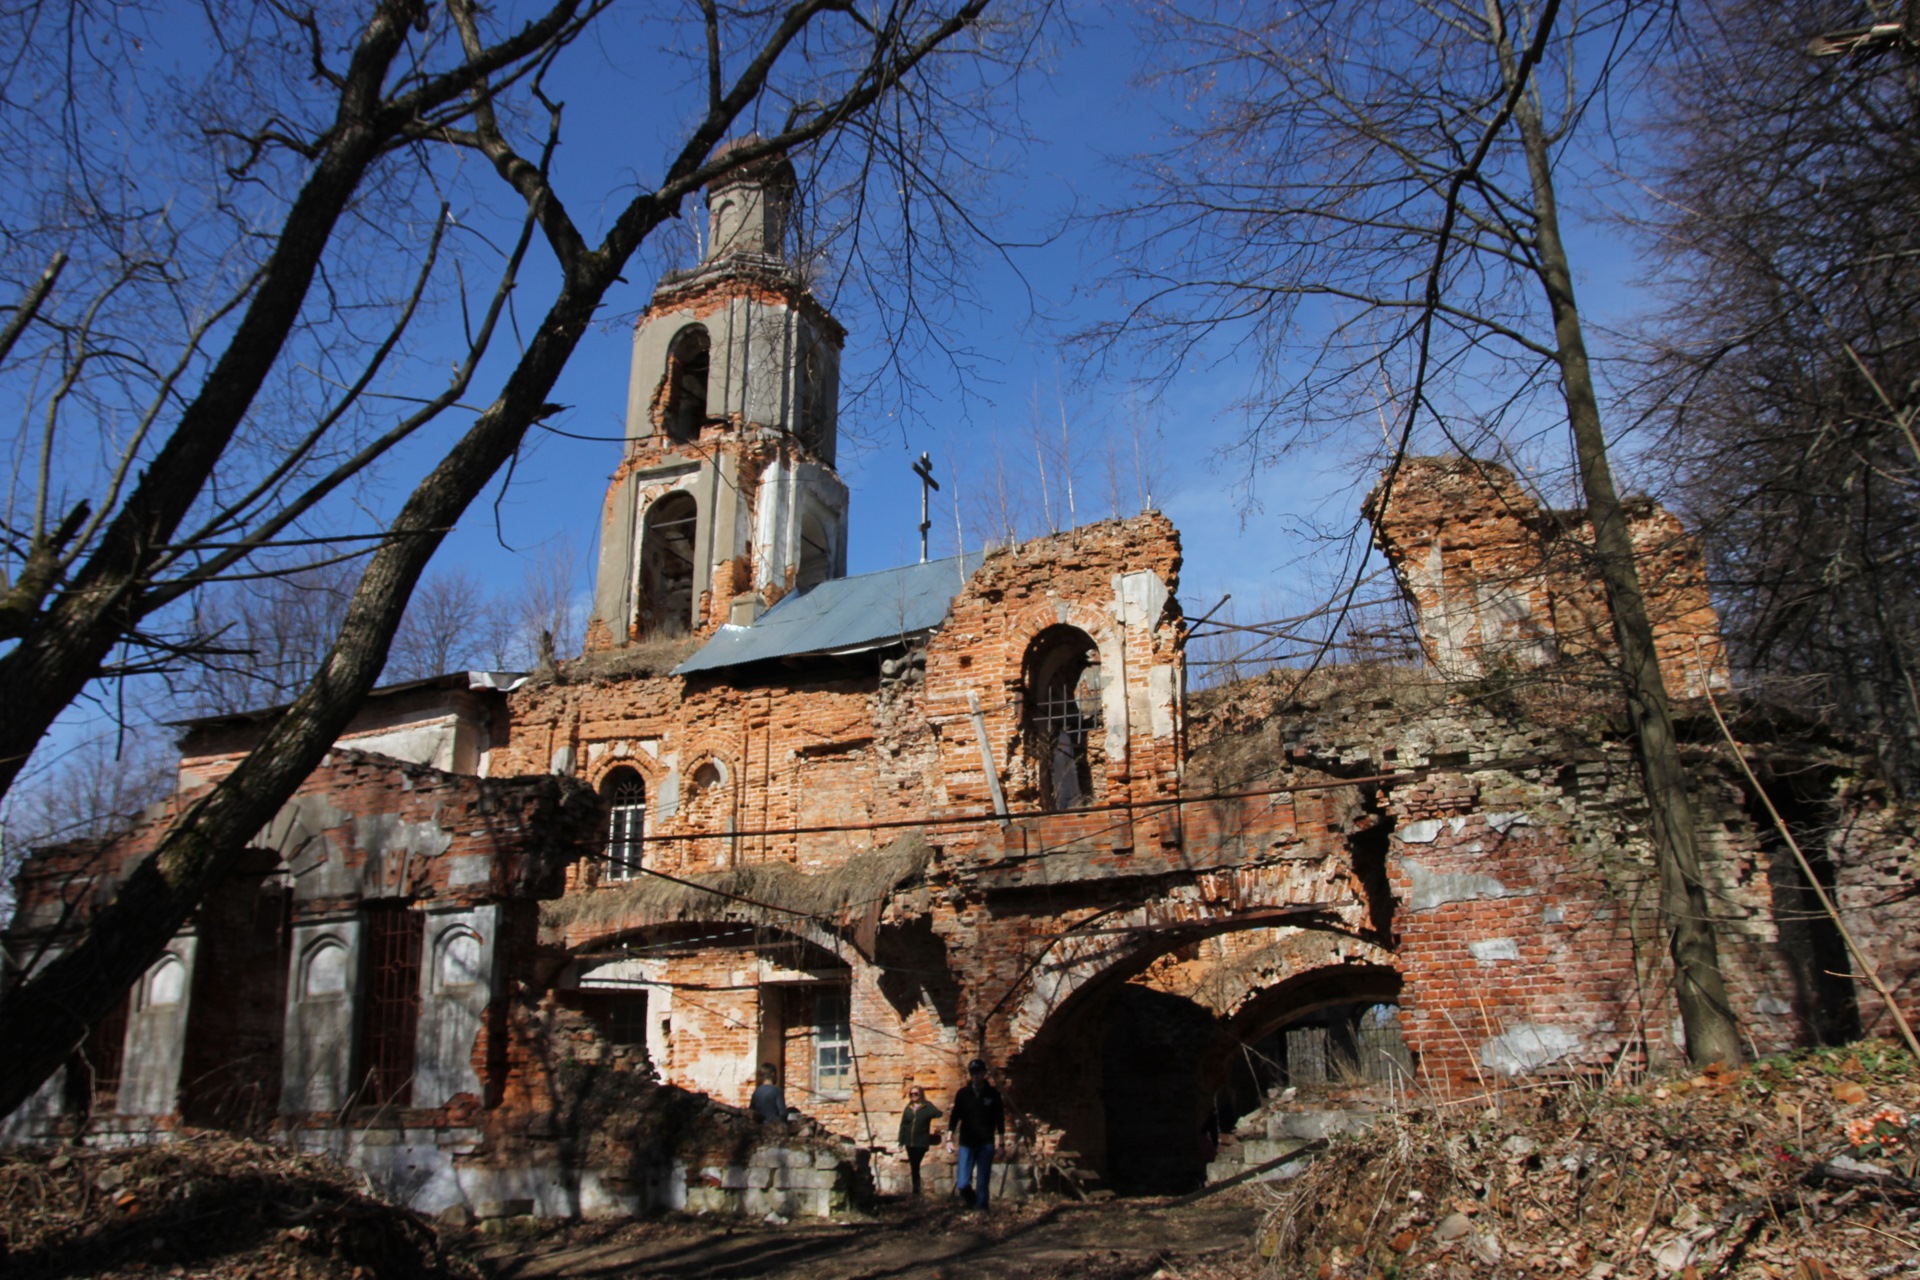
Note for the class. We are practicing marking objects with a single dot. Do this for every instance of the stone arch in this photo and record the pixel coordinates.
(667, 565)
(1125, 1063)
(708, 803)
(1062, 718)
(1123, 944)
(165, 984)
(816, 551)
(1327, 994)
(458, 959)
(693, 924)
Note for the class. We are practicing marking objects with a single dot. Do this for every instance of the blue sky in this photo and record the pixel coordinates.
(1080, 109)
(1083, 108)
(626, 103)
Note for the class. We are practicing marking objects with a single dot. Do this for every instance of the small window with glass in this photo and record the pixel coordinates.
(832, 1042)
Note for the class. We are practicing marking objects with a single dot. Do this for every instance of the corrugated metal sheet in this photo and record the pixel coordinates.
(843, 615)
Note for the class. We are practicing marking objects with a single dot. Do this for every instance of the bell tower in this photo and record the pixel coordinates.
(726, 498)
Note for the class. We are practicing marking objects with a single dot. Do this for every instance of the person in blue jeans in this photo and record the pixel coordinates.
(977, 1123)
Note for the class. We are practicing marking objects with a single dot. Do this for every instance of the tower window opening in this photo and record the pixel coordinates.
(1063, 715)
(626, 797)
(814, 421)
(689, 360)
(665, 606)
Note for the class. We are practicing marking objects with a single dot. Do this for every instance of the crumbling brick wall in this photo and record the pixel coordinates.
(1521, 889)
(1499, 581)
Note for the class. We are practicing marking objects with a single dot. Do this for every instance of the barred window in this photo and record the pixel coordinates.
(1063, 714)
(626, 797)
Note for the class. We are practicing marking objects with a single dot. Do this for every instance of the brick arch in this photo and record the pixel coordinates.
(1025, 627)
(1349, 979)
(1119, 946)
(641, 928)
(651, 771)
(1238, 987)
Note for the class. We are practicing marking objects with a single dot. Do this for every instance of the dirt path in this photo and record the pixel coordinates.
(1118, 1240)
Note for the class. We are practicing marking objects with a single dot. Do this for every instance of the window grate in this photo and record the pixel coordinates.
(390, 1011)
(94, 1074)
(626, 824)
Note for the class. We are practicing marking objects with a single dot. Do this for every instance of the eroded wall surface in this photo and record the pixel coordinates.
(847, 868)
(1497, 580)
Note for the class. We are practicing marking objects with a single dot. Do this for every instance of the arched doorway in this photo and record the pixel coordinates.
(1146, 1057)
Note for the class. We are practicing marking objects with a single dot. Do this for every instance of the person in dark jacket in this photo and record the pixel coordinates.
(916, 1130)
(769, 1102)
(977, 1122)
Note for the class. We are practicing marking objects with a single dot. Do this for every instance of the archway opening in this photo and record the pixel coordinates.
(1147, 1066)
(1328, 1035)
(1153, 1057)
(665, 606)
(689, 361)
(1063, 717)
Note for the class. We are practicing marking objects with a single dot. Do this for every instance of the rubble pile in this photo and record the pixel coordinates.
(208, 1206)
(1802, 1167)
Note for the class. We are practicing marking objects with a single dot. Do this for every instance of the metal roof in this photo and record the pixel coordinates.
(842, 615)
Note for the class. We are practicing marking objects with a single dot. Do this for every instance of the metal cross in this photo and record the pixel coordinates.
(924, 469)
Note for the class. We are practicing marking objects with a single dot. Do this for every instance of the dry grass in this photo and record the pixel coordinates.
(205, 1206)
(653, 656)
(772, 892)
(1741, 1174)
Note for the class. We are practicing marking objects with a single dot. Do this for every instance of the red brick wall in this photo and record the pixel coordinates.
(1498, 579)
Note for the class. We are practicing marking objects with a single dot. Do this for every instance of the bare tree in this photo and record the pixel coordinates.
(1791, 355)
(261, 639)
(1383, 177)
(552, 609)
(444, 628)
(805, 73)
(91, 790)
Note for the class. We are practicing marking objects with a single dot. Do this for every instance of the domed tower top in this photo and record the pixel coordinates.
(750, 210)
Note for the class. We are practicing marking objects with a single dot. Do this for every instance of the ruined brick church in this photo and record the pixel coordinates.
(866, 828)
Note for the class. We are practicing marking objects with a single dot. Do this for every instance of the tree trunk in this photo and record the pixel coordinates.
(1713, 1034)
(45, 1018)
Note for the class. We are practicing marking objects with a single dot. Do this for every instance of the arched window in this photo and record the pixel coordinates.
(666, 566)
(323, 974)
(626, 797)
(457, 960)
(1063, 714)
(166, 984)
(689, 360)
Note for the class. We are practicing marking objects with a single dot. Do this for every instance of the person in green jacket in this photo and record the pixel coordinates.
(916, 1130)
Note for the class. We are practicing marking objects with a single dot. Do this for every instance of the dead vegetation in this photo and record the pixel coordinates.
(1795, 1168)
(205, 1206)
(771, 893)
(651, 655)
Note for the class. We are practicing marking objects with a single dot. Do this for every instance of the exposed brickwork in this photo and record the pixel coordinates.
(1498, 580)
(1474, 853)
